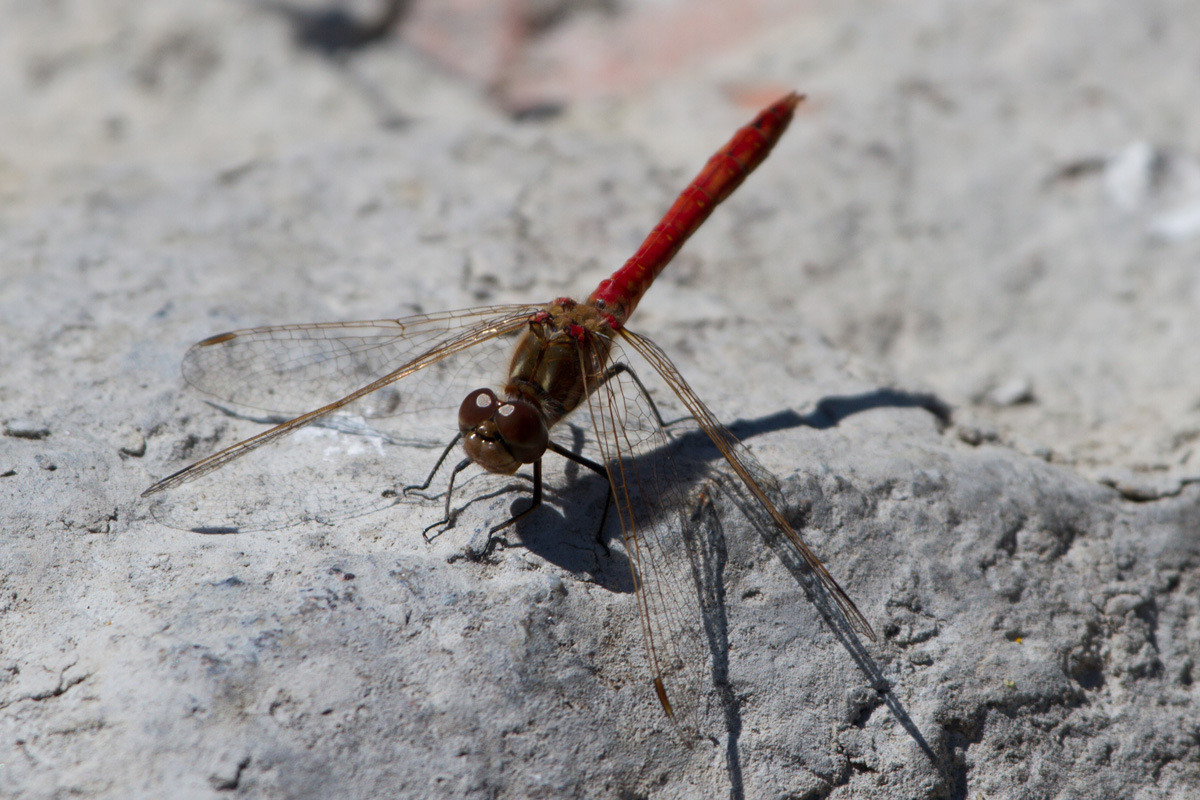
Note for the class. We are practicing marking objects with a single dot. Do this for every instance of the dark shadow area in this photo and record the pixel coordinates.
(333, 31)
(696, 464)
(565, 530)
(536, 113)
(569, 538)
(832, 410)
(704, 540)
(692, 455)
(336, 35)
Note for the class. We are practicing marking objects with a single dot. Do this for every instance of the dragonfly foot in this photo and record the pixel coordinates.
(480, 548)
(493, 542)
(444, 524)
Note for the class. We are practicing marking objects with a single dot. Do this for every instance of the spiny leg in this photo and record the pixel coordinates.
(447, 518)
(441, 459)
(599, 470)
(493, 539)
(420, 487)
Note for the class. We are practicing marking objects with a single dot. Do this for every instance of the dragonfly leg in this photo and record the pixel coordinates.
(608, 499)
(583, 461)
(448, 519)
(599, 470)
(621, 366)
(493, 539)
(420, 487)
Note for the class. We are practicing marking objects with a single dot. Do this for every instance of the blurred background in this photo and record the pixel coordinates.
(998, 201)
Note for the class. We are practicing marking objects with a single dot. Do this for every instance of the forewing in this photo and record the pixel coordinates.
(292, 369)
(354, 474)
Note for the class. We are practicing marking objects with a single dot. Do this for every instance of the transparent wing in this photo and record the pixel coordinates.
(657, 482)
(358, 473)
(759, 490)
(292, 369)
(663, 482)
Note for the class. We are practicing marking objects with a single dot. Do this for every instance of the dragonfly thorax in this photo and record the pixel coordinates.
(499, 435)
(560, 359)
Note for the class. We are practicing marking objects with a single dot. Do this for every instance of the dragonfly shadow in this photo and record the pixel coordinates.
(832, 410)
(828, 413)
(708, 555)
(846, 635)
(565, 532)
(573, 541)
(693, 455)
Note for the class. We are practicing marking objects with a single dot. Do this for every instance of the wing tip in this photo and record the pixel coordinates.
(661, 690)
(220, 338)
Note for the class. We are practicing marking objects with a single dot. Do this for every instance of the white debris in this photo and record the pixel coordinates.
(1174, 226)
(1011, 393)
(1128, 175)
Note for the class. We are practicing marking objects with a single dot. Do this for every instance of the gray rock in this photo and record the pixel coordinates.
(920, 231)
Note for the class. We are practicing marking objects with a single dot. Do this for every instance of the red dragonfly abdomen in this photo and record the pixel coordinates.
(618, 295)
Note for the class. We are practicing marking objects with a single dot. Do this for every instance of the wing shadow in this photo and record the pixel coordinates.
(694, 455)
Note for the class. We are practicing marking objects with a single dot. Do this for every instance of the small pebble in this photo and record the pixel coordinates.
(26, 429)
(976, 436)
(1179, 224)
(133, 444)
(1011, 393)
(1144, 486)
(1122, 604)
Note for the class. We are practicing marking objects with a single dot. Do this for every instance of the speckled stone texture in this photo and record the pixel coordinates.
(986, 209)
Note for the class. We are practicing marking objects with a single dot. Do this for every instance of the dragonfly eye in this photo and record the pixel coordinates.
(523, 430)
(477, 408)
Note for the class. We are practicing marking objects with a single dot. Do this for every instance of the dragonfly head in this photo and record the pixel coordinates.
(499, 435)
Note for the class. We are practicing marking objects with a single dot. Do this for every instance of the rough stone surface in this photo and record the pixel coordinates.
(987, 207)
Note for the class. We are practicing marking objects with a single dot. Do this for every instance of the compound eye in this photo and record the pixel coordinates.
(477, 408)
(523, 430)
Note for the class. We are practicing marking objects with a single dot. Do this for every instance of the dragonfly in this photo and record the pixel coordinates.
(566, 356)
